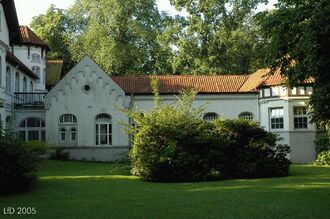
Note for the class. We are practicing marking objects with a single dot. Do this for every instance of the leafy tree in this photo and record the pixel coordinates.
(51, 28)
(219, 37)
(120, 35)
(299, 36)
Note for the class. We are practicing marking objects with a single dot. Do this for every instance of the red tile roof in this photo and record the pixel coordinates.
(263, 77)
(170, 84)
(27, 36)
(174, 83)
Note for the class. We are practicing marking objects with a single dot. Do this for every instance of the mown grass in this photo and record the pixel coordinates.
(102, 190)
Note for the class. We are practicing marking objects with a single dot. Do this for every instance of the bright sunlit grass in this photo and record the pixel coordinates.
(103, 190)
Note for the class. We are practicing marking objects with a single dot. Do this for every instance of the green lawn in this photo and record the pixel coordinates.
(102, 190)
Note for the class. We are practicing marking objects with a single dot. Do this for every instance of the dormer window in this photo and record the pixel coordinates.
(35, 58)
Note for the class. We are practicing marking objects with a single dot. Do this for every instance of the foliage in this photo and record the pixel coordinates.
(322, 142)
(173, 143)
(250, 151)
(120, 35)
(38, 148)
(52, 29)
(323, 159)
(59, 154)
(18, 166)
(299, 33)
(18, 160)
(132, 37)
(218, 37)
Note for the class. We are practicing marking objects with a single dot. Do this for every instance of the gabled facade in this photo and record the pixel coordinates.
(79, 113)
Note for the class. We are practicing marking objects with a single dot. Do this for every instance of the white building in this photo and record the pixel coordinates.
(79, 113)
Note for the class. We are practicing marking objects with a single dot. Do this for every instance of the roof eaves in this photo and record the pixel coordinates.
(20, 65)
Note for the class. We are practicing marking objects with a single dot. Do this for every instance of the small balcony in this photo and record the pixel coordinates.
(29, 99)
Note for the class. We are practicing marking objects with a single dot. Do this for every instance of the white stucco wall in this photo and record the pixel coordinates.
(228, 106)
(21, 52)
(69, 97)
(301, 141)
(4, 32)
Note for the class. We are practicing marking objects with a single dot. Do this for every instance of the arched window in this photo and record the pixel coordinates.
(35, 58)
(246, 116)
(68, 118)
(8, 80)
(68, 130)
(32, 129)
(16, 82)
(210, 116)
(24, 84)
(103, 129)
(31, 87)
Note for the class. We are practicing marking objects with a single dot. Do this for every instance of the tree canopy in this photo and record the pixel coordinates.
(299, 43)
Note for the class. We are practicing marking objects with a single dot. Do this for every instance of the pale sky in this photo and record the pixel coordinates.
(26, 9)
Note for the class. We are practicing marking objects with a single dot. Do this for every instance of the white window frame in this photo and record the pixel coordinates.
(276, 113)
(210, 116)
(301, 114)
(23, 127)
(104, 120)
(246, 116)
(35, 58)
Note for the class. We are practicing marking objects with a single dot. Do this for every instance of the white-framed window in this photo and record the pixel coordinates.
(62, 134)
(32, 129)
(300, 117)
(246, 116)
(24, 84)
(8, 80)
(276, 118)
(68, 130)
(103, 129)
(68, 118)
(16, 82)
(210, 116)
(73, 134)
(35, 58)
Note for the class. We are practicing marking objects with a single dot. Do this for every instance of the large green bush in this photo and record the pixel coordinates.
(18, 167)
(173, 143)
(18, 161)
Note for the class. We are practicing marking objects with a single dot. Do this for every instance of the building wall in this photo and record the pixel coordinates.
(21, 52)
(228, 106)
(301, 141)
(4, 32)
(70, 97)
